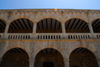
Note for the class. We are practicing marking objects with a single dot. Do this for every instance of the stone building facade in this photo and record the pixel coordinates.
(49, 38)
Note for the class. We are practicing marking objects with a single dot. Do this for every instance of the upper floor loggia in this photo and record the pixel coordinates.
(50, 28)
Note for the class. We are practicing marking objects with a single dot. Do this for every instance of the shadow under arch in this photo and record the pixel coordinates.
(82, 57)
(2, 26)
(15, 57)
(15, 46)
(76, 25)
(47, 16)
(94, 18)
(78, 17)
(49, 25)
(47, 56)
(21, 25)
(18, 17)
(96, 26)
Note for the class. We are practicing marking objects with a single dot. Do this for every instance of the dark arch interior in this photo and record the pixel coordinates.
(49, 25)
(21, 26)
(16, 57)
(76, 25)
(96, 25)
(49, 58)
(2, 26)
(82, 57)
(48, 64)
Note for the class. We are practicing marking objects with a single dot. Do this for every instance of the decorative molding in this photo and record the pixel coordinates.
(31, 60)
(66, 60)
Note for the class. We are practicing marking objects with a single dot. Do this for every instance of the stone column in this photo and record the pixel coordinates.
(63, 30)
(91, 29)
(31, 62)
(34, 27)
(66, 61)
(6, 31)
(34, 30)
(0, 61)
(98, 61)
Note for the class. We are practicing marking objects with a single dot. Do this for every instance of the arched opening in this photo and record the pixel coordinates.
(2, 26)
(76, 25)
(96, 25)
(15, 57)
(49, 25)
(49, 58)
(82, 57)
(21, 25)
(48, 64)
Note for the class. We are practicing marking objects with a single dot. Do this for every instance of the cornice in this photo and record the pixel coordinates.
(61, 11)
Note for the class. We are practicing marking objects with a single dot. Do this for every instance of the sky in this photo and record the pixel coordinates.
(50, 4)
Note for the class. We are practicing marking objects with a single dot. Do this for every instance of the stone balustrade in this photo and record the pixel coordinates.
(50, 36)
(19, 35)
(97, 35)
(78, 35)
(1, 35)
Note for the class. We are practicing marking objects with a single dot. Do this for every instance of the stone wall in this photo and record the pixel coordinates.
(65, 47)
(61, 15)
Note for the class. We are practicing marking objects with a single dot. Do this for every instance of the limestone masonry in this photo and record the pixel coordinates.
(49, 38)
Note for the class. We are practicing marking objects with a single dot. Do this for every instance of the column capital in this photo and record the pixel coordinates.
(89, 23)
(8, 23)
(35, 23)
(98, 59)
(0, 59)
(62, 22)
(66, 60)
(31, 60)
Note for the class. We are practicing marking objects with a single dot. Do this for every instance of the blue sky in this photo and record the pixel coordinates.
(50, 4)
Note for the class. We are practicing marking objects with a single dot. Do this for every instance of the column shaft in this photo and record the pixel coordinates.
(66, 63)
(91, 30)
(31, 63)
(0, 61)
(6, 30)
(98, 61)
(34, 27)
(63, 30)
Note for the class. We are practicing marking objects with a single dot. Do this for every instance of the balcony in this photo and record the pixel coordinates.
(50, 29)
(50, 36)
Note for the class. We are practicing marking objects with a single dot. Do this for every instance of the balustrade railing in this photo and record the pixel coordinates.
(49, 35)
(1, 35)
(97, 35)
(78, 35)
(19, 35)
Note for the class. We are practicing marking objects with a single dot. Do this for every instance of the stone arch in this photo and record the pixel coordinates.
(49, 46)
(48, 25)
(76, 25)
(15, 55)
(94, 18)
(21, 25)
(18, 17)
(90, 49)
(15, 46)
(48, 16)
(79, 46)
(2, 25)
(96, 25)
(82, 55)
(55, 55)
(79, 17)
(3, 18)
